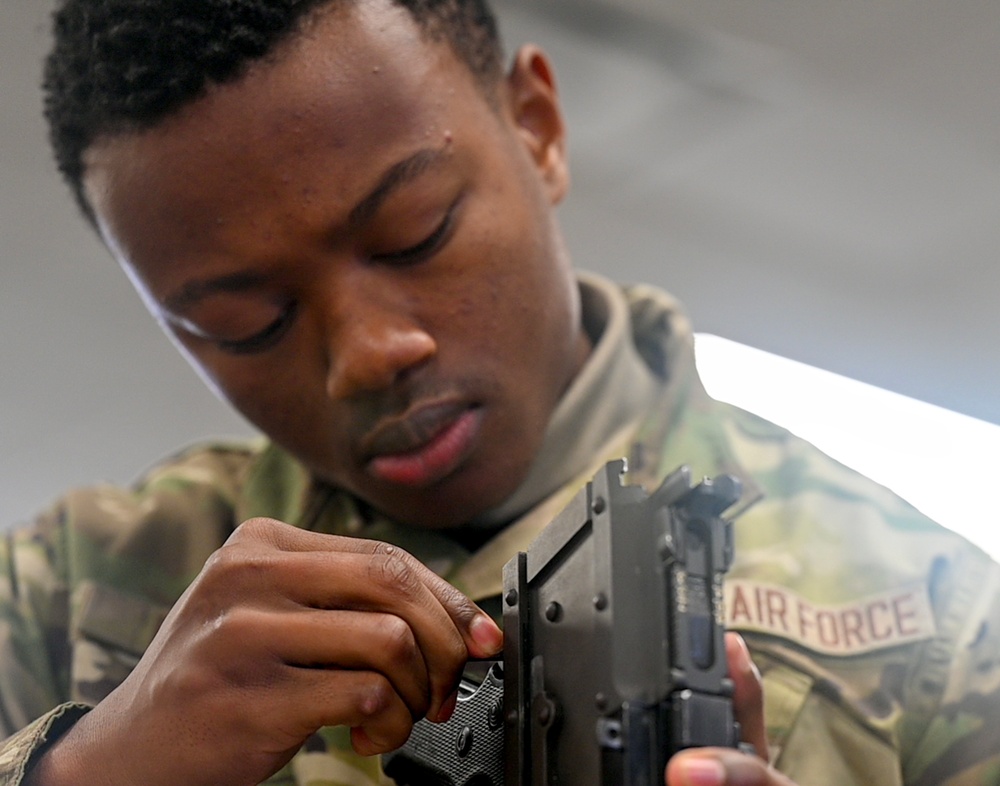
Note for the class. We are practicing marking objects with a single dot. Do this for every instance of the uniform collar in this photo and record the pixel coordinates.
(608, 394)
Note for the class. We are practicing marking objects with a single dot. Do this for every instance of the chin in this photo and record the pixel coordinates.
(438, 514)
(447, 508)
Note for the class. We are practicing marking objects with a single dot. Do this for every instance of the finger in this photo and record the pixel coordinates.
(721, 767)
(481, 634)
(748, 694)
(353, 640)
(327, 571)
(252, 648)
(360, 700)
(386, 582)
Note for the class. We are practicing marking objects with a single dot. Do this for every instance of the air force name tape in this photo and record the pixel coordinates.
(863, 625)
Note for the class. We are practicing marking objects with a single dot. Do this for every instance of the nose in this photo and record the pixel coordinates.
(371, 347)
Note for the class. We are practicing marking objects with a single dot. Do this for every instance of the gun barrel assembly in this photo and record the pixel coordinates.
(613, 658)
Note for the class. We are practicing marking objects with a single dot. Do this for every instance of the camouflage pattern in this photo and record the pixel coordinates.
(877, 632)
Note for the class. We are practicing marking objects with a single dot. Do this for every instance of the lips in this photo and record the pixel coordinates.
(425, 445)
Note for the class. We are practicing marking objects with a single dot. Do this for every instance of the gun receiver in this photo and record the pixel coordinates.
(613, 647)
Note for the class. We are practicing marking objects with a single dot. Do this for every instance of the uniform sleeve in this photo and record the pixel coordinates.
(34, 648)
(954, 739)
(18, 750)
(85, 586)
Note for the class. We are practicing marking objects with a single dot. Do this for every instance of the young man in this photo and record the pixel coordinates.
(341, 211)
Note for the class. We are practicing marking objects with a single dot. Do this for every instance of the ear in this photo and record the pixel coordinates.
(534, 107)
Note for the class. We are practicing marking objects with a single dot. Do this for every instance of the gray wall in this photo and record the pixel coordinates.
(818, 180)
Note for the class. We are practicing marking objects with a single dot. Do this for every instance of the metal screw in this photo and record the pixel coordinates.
(494, 718)
(600, 601)
(553, 612)
(464, 742)
(599, 505)
(511, 597)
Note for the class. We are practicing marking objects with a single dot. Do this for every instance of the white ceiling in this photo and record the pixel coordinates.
(820, 180)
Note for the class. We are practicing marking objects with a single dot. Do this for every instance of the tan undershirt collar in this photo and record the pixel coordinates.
(613, 389)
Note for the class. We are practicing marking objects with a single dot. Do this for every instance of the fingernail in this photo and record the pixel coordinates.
(447, 709)
(703, 772)
(361, 742)
(486, 634)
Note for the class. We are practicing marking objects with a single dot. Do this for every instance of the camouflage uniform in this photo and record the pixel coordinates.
(877, 631)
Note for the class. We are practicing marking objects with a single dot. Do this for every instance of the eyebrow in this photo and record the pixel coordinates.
(392, 179)
(193, 291)
(395, 176)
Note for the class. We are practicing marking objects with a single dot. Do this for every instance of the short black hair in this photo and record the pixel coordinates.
(120, 66)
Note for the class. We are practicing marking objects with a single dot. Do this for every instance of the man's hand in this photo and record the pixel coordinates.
(723, 766)
(282, 632)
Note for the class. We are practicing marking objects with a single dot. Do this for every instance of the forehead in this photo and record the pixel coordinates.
(361, 81)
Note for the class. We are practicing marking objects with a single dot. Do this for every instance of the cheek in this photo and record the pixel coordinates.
(517, 324)
(512, 289)
(274, 398)
(264, 404)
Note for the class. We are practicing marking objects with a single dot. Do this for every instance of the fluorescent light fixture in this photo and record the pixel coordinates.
(942, 462)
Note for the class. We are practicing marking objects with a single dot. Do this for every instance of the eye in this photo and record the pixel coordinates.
(263, 340)
(425, 248)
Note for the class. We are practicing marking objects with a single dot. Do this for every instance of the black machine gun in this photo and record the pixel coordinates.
(613, 653)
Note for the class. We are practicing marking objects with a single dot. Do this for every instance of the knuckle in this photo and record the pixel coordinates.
(252, 530)
(235, 629)
(385, 720)
(399, 642)
(393, 569)
(221, 565)
(231, 623)
(222, 558)
(375, 695)
(459, 607)
(463, 610)
(238, 565)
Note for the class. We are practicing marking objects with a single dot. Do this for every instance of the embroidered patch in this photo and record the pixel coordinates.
(870, 623)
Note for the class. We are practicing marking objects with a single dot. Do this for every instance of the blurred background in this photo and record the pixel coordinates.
(817, 180)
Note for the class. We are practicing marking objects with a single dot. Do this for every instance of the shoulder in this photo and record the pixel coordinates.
(172, 517)
(806, 488)
(833, 536)
(863, 612)
(203, 479)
